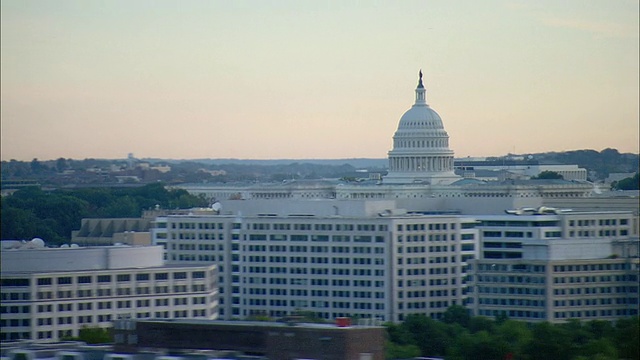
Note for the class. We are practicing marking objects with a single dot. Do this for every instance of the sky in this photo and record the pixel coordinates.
(313, 79)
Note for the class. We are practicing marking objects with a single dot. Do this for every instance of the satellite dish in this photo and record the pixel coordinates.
(36, 243)
(216, 206)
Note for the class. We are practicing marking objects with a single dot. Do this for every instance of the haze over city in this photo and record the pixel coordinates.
(330, 79)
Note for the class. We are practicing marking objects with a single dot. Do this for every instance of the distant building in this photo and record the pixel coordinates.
(517, 168)
(52, 293)
(111, 231)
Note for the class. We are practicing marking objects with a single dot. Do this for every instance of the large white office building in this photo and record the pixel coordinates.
(334, 258)
(554, 267)
(52, 293)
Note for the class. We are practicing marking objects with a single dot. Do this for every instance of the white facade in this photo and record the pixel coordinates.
(53, 293)
(363, 259)
(581, 265)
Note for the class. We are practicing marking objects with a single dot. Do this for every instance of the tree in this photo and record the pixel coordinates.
(482, 346)
(516, 335)
(428, 334)
(548, 175)
(630, 183)
(480, 323)
(93, 335)
(397, 351)
(457, 314)
(549, 343)
(627, 338)
(61, 164)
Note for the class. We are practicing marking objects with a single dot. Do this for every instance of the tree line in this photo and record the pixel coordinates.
(458, 336)
(31, 212)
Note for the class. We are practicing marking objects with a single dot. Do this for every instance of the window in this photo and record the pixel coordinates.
(142, 277)
(44, 281)
(180, 275)
(84, 279)
(123, 277)
(104, 278)
(64, 280)
(467, 247)
(161, 276)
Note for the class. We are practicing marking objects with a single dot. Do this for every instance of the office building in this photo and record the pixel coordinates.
(553, 267)
(52, 293)
(334, 258)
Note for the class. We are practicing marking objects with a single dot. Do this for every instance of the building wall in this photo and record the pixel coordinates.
(603, 289)
(80, 258)
(364, 266)
(41, 304)
(271, 340)
(581, 265)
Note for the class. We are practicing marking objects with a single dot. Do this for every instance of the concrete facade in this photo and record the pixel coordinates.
(52, 293)
(581, 265)
(335, 258)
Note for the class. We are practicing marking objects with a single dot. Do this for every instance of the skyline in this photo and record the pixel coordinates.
(315, 80)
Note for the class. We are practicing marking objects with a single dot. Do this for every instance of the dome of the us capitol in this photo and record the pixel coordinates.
(421, 151)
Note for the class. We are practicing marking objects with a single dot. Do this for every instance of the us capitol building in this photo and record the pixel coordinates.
(421, 169)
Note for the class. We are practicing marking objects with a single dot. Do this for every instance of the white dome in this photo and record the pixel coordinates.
(420, 117)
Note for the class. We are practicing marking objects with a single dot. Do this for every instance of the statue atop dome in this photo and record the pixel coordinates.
(420, 86)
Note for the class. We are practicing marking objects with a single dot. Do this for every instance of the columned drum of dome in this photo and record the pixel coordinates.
(421, 151)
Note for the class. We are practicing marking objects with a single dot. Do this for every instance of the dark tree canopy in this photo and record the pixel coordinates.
(485, 338)
(630, 183)
(548, 175)
(52, 216)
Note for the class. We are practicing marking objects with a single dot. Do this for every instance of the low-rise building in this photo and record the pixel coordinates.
(264, 340)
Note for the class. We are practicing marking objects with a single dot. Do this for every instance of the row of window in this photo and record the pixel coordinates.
(88, 279)
(591, 267)
(84, 293)
(595, 313)
(511, 290)
(516, 314)
(511, 302)
(511, 279)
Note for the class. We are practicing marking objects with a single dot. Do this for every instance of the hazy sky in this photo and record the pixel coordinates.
(313, 79)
